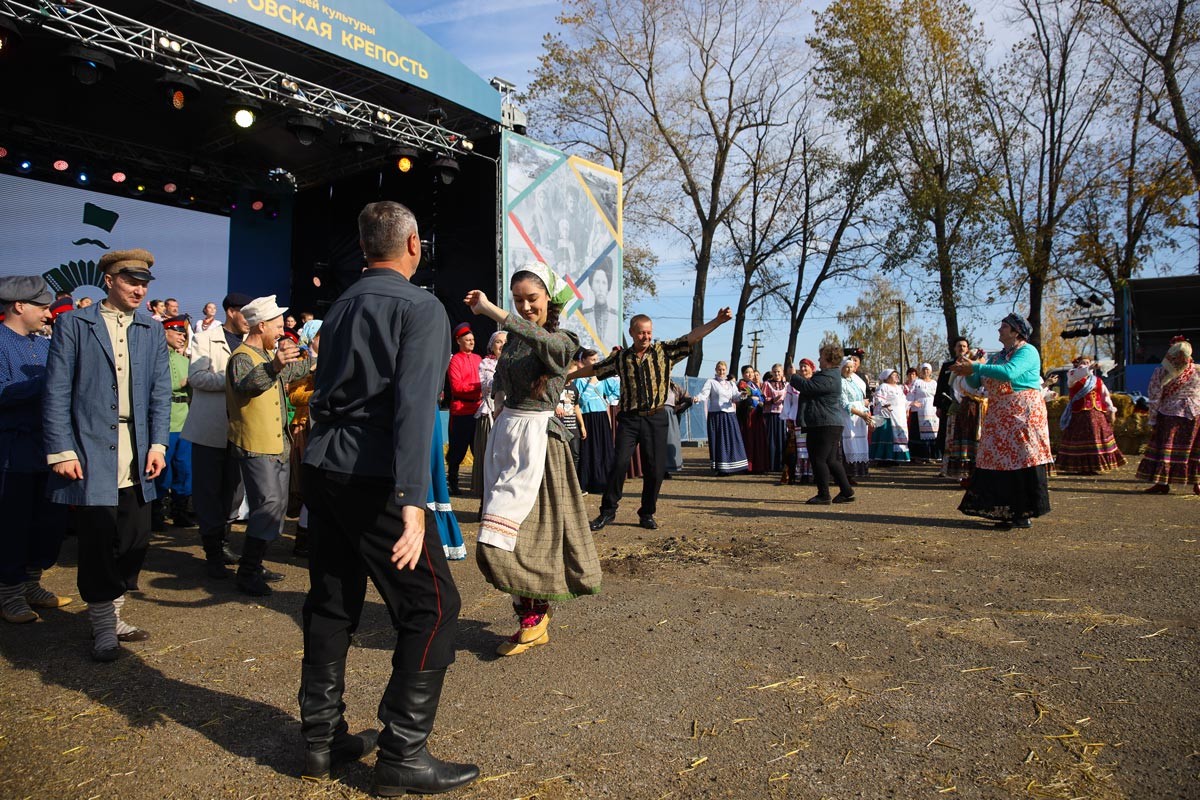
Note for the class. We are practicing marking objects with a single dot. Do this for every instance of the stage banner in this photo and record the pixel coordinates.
(371, 33)
(566, 212)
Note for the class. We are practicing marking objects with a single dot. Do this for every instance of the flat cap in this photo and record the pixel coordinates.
(136, 263)
(25, 289)
(261, 309)
(235, 300)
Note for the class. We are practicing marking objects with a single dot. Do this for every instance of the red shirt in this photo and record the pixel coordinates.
(465, 391)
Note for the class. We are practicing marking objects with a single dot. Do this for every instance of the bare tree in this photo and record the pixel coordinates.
(1040, 116)
(693, 76)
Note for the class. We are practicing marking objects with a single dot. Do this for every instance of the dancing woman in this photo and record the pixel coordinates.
(1087, 446)
(1173, 454)
(856, 421)
(1009, 485)
(534, 541)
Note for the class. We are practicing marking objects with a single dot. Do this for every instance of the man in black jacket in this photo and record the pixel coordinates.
(366, 478)
(820, 415)
(944, 394)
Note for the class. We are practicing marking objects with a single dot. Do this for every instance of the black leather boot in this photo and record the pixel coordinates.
(181, 511)
(249, 577)
(327, 740)
(158, 516)
(214, 558)
(452, 482)
(404, 765)
(230, 557)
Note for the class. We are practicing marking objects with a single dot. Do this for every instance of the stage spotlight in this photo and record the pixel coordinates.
(3, 152)
(404, 157)
(24, 166)
(467, 144)
(436, 115)
(186, 199)
(170, 188)
(178, 89)
(446, 169)
(88, 65)
(137, 188)
(245, 111)
(307, 129)
(257, 205)
(119, 177)
(61, 166)
(10, 37)
(358, 141)
(83, 178)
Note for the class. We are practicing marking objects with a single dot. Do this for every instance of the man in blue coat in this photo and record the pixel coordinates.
(106, 420)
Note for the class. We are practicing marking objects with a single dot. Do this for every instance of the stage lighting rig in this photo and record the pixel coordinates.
(306, 128)
(281, 177)
(88, 65)
(358, 141)
(179, 88)
(245, 111)
(445, 168)
(404, 157)
(10, 37)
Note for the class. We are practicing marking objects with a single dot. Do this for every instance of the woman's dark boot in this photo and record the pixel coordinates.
(408, 708)
(327, 740)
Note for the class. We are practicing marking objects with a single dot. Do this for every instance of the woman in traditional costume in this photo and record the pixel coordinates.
(856, 423)
(1009, 485)
(678, 402)
(534, 541)
(595, 452)
(774, 391)
(1173, 454)
(923, 420)
(889, 444)
(798, 468)
(964, 421)
(1087, 446)
(486, 413)
(725, 447)
(750, 419)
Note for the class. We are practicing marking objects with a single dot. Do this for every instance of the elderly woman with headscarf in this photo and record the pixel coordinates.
(923, 420)
(1009, 485)
(889, 445)
(1173, 454)
(485, 415)
(856, 422)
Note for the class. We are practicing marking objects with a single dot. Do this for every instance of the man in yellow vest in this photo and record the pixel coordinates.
(256, 380)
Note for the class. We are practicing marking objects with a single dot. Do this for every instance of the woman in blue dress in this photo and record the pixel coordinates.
(438, 499)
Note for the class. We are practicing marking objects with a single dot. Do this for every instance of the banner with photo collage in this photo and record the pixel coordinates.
(566, 213)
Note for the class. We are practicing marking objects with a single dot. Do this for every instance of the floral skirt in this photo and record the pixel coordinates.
(1173, 454)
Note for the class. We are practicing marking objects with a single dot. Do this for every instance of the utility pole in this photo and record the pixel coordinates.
(900, 336)
(754, 342)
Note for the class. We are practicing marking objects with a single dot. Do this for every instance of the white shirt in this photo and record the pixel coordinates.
(720, 395)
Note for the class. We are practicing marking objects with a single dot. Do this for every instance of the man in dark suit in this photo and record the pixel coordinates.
(944, 394)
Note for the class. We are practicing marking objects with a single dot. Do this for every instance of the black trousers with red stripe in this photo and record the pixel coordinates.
(352, 526)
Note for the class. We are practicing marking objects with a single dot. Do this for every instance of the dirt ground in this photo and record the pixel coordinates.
(753, 647)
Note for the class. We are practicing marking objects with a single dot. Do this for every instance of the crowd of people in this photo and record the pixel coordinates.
(115, 416)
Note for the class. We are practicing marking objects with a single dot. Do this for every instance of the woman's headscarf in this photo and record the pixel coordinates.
(492, 342)
(811, 365)
(308, 331)
(1172, 364)
(925, 366)
(1019, 324)
(887, 373)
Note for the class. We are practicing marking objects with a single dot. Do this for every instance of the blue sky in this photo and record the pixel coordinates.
(504, 38)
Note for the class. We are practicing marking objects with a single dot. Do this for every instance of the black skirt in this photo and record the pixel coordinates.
(596, 452)
(1007, 495)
